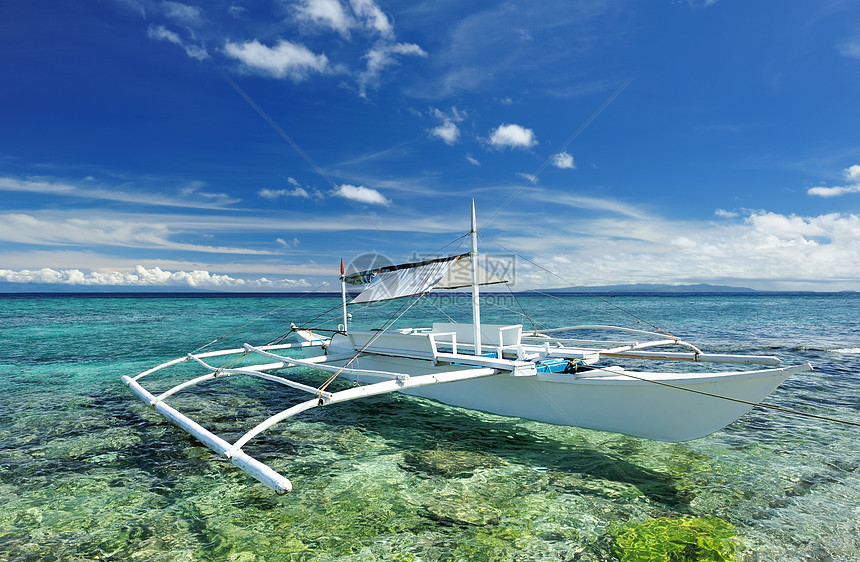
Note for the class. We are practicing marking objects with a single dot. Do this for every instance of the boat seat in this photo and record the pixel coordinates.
(407, 344)
(498, 337)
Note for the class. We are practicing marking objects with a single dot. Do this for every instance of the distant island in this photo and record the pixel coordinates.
(652, 288)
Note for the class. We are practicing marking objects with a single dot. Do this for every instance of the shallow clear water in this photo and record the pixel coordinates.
(88, 472)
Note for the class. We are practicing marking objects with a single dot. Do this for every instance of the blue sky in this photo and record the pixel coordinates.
(133, 153)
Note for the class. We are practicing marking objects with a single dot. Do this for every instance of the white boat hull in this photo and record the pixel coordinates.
(647, 408)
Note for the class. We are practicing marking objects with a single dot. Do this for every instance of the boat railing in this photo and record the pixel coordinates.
(568, 347)
(439, 337)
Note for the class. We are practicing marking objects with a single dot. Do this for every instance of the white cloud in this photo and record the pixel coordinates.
(47, 230)
(161, 33)
(760, 249)
(833, 191)
(447, 131)
(383, 56)
(850, 49)
(191, 196)
(531, 178)
(288, 59)
(472, 160)
(374, 18)
(612, 242)
(725, 214)
(193, 189)
(331, 14)
(326, 13)
(183, 13)
(564, 161)
(851, 175)
(284, 60)
(788, 230)
(297, 191)
(145, 277)
(276, 193)
(604, 205)
(37, 186)
(362, 194)
(512, 136)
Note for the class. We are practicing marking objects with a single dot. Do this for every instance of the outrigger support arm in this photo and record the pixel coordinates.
(277, 482)
(233, 451)
(365, 391)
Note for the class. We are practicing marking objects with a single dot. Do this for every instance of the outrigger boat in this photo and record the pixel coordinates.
(550, 376)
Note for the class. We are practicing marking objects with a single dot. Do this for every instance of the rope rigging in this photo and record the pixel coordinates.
(386, 325)
(637, 319)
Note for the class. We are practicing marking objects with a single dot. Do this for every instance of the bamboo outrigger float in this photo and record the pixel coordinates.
(495, 368)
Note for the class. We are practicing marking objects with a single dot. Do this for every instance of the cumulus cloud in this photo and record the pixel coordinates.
(145, 277)
(361, 194)
(834, 191)
(161, 33)
(852, 177)
(512, 136)
(331, 14)
(326, 13)
(374, 18)
(757, 249)
(564, 161)
(381, 57)
(284, 60)
(448, 131)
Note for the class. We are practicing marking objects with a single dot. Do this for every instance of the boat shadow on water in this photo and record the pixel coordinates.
(437, 441)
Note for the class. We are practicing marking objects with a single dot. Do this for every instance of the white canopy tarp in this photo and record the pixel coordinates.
(394, 282)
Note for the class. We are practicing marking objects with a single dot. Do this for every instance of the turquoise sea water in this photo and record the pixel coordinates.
(88, 472)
